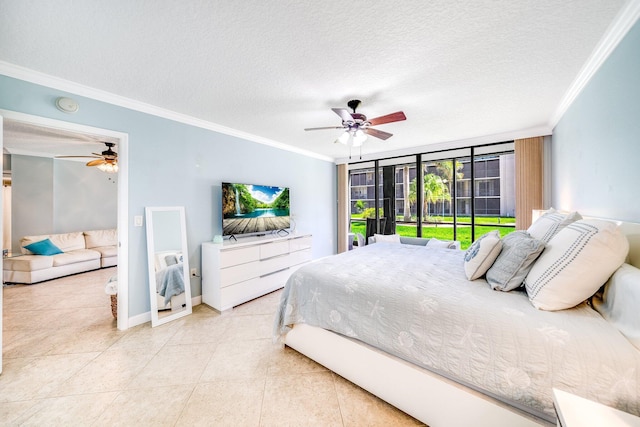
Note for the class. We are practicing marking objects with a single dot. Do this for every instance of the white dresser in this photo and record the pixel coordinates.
(236, 272)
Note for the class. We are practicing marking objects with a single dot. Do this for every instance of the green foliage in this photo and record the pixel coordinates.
(463, 233)
(359, 205)
(371, 213)
(434, 189)
(282, 201)
(247, 202)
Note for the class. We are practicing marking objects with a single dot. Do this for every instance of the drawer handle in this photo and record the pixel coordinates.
(275, 256)
(273, 272)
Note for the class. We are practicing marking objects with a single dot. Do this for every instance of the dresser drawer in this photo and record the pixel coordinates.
(300, 243)
(240, 273)
(273, 249)
(253, 288)
(238, 256)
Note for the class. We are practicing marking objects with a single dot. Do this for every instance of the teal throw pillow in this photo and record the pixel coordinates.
(43, 247)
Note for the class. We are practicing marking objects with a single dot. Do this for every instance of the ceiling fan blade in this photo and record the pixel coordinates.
(78, 157)
(343, 113)
(389, 118)
(377, 133)
(96, 162)
(326, 127)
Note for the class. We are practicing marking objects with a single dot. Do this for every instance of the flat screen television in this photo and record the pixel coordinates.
(254, 209)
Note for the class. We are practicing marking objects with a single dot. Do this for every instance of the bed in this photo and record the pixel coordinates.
(406, 324)
(169, 280)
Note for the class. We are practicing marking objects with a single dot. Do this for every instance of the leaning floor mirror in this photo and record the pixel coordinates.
(169, 286)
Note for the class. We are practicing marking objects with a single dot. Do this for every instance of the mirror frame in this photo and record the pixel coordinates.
(156, 320)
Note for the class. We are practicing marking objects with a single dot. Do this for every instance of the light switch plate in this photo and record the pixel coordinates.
(137, 221)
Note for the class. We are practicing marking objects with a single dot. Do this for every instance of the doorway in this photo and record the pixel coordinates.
(66, 128)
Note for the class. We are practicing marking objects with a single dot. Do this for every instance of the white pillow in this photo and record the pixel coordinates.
(446, 244)
(550, 223)
(575, 263)
(389, 238)
(620, 301)
(481, 254)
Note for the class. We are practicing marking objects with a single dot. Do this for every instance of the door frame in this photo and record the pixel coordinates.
(123, 201)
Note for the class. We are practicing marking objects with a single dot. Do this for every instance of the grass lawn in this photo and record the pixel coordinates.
(443, 232)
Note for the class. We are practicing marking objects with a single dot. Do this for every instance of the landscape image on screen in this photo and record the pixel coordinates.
(254, 208)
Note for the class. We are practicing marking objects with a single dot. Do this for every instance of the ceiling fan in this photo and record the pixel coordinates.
(107, 161)
(356, 126)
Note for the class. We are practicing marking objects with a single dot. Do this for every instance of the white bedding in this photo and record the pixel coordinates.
(416, 303)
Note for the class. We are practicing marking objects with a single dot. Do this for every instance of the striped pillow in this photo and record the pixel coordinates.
(575, 263)
(550, 223)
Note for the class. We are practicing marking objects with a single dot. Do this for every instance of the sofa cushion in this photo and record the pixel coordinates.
(107, 251)
(69, 241)
(97, 238)
(28, 263)
(73, 257)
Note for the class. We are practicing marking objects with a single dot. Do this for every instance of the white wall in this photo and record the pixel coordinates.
(59, 196)
(85, 198)
(595, 148)
(32, 198)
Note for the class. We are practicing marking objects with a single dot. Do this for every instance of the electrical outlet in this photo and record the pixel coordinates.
(194, 272)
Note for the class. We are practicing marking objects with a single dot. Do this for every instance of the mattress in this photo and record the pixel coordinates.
(415, 302)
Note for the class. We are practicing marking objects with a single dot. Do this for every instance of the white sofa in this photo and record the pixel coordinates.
(82, 251)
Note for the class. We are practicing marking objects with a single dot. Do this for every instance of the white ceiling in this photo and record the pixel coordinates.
(458, 70)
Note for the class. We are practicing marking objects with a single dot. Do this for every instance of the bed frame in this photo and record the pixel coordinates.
(429, 397)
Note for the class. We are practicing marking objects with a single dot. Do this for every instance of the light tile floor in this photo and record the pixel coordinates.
(65, 363)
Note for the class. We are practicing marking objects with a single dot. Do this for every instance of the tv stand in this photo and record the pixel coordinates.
(236, 272)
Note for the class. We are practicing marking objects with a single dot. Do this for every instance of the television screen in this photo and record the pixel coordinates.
(254, 208)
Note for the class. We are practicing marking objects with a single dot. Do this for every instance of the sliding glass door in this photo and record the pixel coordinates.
(449, 195)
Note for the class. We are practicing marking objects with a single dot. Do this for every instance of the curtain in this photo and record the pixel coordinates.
(343, 207)
(529, 179)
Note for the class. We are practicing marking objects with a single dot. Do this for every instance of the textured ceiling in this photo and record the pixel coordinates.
(272, 68)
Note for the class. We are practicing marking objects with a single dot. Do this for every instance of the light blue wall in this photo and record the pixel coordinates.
(173, 164)
(596, 146)
(59, 196)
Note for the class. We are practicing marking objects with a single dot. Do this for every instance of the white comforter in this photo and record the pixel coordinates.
(416, 303)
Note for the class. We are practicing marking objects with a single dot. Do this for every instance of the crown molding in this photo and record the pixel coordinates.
(617, 30)
(36, 77)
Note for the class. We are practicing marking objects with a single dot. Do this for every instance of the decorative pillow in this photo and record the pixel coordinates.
(620, 301)
(519, 251)
(43, 247)
(389, 238)
(550, 223)
(446, 244)
(170, 260)
(576, 262)
(481, 254)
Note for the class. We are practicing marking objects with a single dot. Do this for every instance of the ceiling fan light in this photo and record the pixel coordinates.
(344, 138)
(108, 167)
(358, 138)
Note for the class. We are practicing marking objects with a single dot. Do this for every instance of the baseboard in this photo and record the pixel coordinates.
(146, 317)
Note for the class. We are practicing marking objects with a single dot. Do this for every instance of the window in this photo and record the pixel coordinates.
(461, 199)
